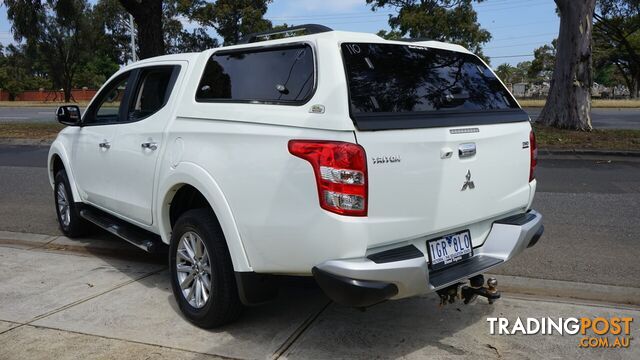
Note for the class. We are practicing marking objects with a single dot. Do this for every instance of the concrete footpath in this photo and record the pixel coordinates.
(92, 299)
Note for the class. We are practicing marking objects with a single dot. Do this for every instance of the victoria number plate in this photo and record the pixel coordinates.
(449, 249)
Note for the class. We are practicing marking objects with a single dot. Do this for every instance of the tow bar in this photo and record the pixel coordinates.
(470, 293)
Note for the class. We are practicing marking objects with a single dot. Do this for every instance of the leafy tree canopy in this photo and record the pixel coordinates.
(445, 20)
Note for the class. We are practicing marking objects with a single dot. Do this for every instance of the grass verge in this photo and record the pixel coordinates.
(596, 103)
(39, 103)
(27, 131)
(609, 139)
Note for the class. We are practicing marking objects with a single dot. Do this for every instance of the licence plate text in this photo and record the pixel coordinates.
(449, 249)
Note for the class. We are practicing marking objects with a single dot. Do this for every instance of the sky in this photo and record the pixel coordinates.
(517, 26)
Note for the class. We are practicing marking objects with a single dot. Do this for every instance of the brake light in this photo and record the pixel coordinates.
(533, 150)
(340, 169)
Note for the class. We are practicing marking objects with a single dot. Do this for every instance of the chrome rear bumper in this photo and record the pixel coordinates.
(363, 282)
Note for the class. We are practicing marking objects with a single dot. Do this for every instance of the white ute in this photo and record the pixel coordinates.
(384, 169)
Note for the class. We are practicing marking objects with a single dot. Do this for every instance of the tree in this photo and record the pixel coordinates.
(56, 32)
(569, 102)
(505, 72)
(176, 38)
(112, 20)
(617, 39)
(159, 27)
(233, 18)
(17, 71)
(147, 15)
(445, 20)
(543, 63)
(521, 73)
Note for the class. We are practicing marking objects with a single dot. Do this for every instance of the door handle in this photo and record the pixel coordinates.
(105, 145)
(466, 150)
(149, 145)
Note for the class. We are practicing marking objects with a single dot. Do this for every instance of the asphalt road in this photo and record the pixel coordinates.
(591, 210)
(605, 118)
(602, 118)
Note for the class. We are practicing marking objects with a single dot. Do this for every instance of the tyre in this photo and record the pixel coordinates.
(67, 211)
(202, 276)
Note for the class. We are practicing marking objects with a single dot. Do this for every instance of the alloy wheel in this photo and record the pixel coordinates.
(193, 267)
(63, 204)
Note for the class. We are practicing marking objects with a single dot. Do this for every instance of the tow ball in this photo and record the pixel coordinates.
(475, 289)
(471, 292)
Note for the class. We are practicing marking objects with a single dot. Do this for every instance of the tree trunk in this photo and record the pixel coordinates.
(568, 105)
(147, 15)
(67, 94)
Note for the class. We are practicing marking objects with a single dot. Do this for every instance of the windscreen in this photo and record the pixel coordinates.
(386, 78)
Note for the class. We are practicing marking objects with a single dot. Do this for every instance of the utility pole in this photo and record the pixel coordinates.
(134, 58)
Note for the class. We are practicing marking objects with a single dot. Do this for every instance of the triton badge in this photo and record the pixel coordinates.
(468, 182)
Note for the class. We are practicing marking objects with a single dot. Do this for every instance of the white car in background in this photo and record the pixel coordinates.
(384, 169)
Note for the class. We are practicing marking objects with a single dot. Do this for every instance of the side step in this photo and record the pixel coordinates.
(141, 238)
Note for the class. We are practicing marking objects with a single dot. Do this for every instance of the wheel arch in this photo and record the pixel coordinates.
(58, 159)
(189, 177)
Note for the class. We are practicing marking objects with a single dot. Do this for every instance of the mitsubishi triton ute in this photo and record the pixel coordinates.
(384, 169)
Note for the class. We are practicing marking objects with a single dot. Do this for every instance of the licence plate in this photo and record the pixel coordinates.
(449, 249)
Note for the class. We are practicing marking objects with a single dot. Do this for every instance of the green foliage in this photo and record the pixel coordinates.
(93, 73)
(452, 21)
(176, 38)
(18, 72)
(505, 72)
(232, 18)
(57, 34)
(616, 38)
(543, 63)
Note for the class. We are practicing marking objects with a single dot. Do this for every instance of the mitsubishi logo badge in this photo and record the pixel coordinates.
(468, 182)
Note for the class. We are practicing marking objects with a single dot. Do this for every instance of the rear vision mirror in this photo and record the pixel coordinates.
(68, 115)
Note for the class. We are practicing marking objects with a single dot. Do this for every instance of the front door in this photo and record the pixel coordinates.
(92, 148)
(140, 139)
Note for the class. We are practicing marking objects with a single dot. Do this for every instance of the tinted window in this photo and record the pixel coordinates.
(404, 78)
(106, 109)
(152, 92)
(283, 74)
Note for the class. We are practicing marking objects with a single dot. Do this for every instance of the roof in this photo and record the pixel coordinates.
(347, 36)
(337, 36)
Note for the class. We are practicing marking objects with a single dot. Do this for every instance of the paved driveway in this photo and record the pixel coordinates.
(82, 305)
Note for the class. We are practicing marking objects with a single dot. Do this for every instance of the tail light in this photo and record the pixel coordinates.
(533, 149)
(340, 169)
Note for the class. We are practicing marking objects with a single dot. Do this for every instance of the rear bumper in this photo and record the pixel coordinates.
(364, 282)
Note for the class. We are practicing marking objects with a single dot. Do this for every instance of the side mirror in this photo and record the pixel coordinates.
(68, 115)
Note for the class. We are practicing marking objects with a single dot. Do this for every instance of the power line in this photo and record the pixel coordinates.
(523, 24)
(490, 5)
(524, 37)
(505, 5)
(328, 17)
(528, 5)
(510, 56)
(516, 45)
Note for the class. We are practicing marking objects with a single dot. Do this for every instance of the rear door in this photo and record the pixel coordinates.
(447, 144)
(140, 139)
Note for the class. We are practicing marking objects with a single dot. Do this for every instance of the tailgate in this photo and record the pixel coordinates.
(447, 144)
(419, 181)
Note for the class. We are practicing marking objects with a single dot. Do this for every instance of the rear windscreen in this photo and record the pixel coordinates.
(407, 79)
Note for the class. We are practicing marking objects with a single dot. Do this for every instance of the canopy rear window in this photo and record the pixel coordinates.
(390, 82)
